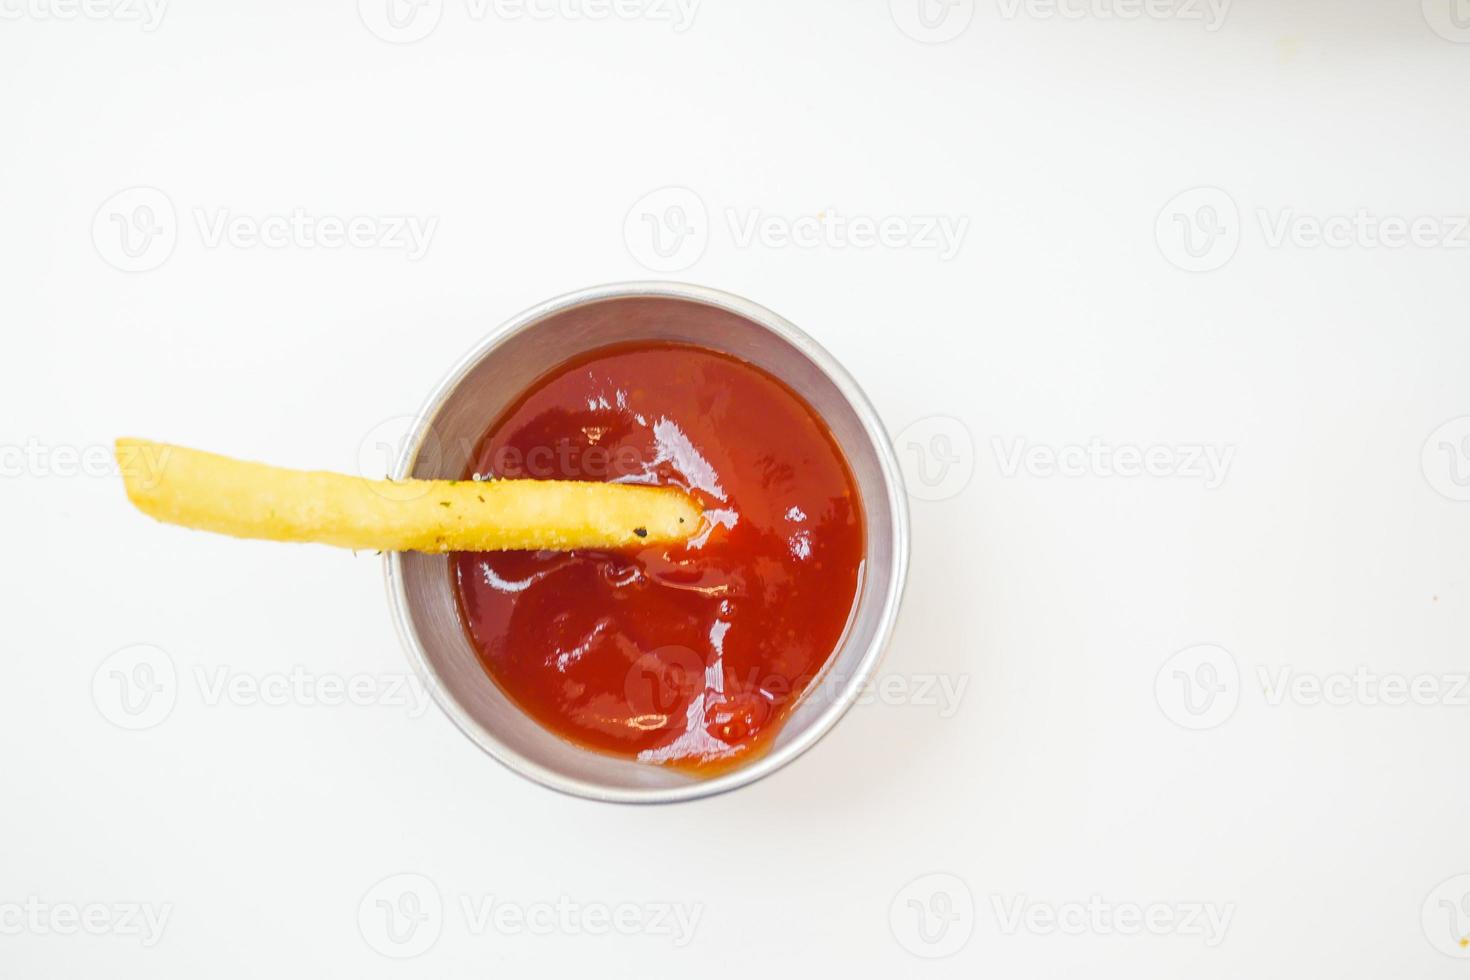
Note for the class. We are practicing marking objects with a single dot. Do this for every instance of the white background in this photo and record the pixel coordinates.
(1324, 830)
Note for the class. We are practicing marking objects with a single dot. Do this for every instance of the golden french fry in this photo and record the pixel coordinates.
(252, 500)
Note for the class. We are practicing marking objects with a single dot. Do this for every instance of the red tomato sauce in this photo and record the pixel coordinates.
(690, 654)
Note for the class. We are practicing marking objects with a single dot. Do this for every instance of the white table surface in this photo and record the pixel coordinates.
(1077, 809)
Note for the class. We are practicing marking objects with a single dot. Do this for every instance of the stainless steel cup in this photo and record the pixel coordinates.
(475, 392)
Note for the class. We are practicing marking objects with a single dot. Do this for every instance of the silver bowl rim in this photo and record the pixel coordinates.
(893, 487)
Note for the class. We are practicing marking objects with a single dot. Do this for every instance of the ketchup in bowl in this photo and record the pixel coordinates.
(690, 654)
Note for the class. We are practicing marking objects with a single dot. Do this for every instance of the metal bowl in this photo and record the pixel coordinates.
(475, 392)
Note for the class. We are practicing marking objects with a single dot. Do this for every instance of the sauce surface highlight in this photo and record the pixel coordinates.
(689, 654)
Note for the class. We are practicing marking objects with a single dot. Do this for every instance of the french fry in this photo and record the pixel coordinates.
(252, 500)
